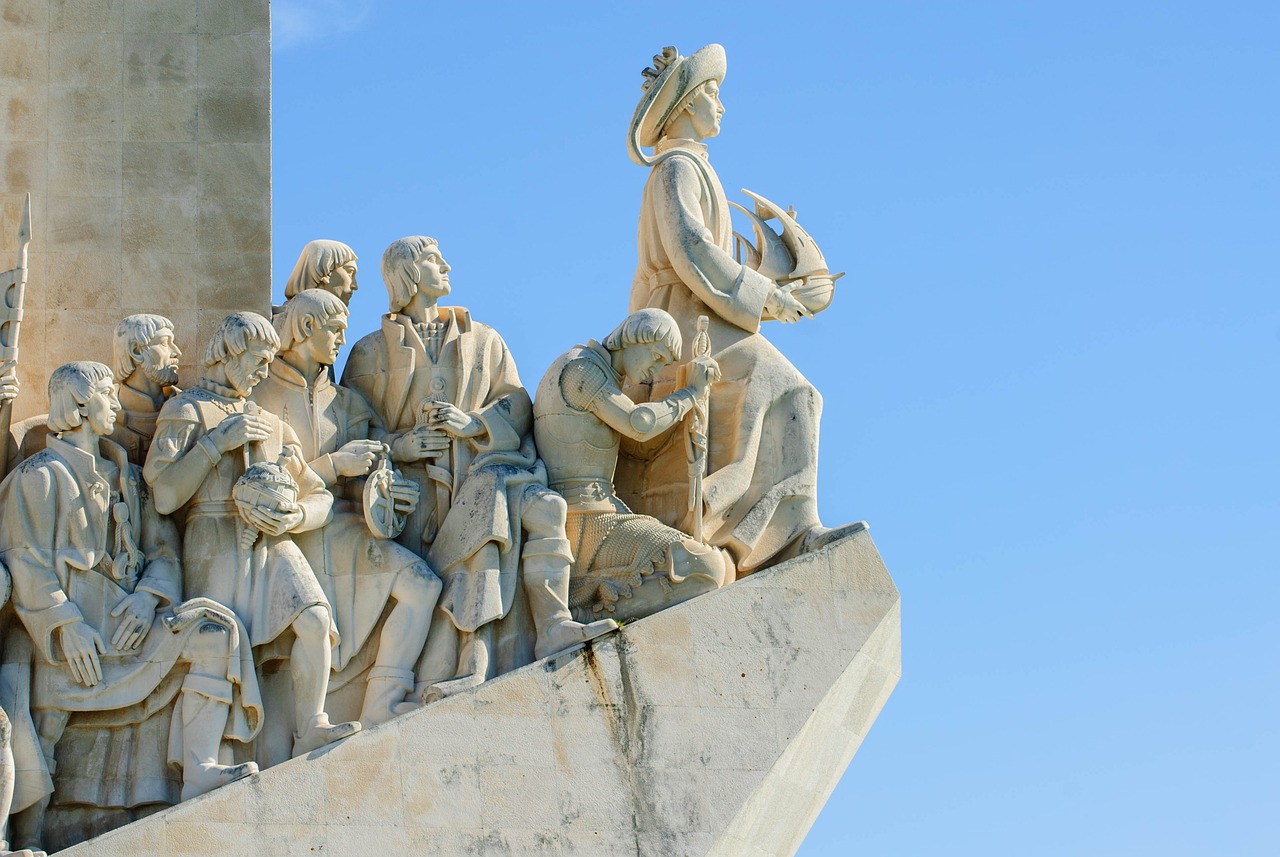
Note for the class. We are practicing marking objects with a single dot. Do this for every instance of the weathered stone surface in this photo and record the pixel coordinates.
(718, 727)
(141, 201)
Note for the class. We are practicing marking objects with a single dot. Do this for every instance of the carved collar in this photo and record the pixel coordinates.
(289, 375)
(135, 401)
(208, 385)
(694, 146)
(85, 467)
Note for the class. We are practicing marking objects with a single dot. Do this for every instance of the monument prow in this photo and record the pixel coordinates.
(716, 727)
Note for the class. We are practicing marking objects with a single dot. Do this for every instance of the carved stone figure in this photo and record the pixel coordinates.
(324, 264)
(362, 574)
(760, 496)
(460, 425)
(628, 565)
(146, 365)
(242, 553)
(99, 588)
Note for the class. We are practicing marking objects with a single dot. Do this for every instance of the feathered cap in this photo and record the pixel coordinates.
(666, 84)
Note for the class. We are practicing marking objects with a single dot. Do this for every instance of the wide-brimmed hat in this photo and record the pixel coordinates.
(666, 84)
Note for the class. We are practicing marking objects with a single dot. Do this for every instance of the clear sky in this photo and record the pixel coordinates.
(1050, 375)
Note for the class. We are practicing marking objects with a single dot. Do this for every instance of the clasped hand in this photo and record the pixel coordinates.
(238, 429)
(356, 457)
(704, 372)
(784, 307)
(274, 522)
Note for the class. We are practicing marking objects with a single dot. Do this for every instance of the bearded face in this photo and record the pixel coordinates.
(159, 359)
(245, 370)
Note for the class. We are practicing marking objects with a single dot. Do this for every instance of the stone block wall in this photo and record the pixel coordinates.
(142, 129)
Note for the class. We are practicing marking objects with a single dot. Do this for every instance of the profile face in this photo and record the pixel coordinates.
(246, 370)
(328, 340)
(101, 409)
(159, 358)
(342, 282)
(433, 273)
(642, 362)
(706, 110)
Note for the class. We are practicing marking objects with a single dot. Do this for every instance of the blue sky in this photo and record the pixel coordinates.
(1050, 375)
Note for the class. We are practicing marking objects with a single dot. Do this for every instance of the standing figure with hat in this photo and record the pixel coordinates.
(760, 495)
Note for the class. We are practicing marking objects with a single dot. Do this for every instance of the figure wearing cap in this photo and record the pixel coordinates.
(760, 494)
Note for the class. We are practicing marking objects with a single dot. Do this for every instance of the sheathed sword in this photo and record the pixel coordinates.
(697, 433)
(13, 285)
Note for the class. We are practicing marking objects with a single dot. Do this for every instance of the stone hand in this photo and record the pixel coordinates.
(238, 429)
(782, 306)
(705, 371)
(8, 380)
(418, 444)
(81, 644)
(356, 457)
(274, 522)
(137, 611)
(404, 496)
(454, 421)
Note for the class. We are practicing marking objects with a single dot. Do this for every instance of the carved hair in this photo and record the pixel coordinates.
(305, 313)
(400, 268)
(319, 259)
(70, 387)
(235, 334)
(645, 326)
(135, 331)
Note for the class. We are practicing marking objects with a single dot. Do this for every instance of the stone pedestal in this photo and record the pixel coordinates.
(718, 727)
(142, 129)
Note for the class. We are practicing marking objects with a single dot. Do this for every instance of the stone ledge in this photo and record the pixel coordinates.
(717, 727)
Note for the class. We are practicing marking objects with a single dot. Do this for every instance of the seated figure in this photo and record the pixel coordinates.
(98, 586)
(459, 423)
(580, 416)
(243, 555)
(361, 574)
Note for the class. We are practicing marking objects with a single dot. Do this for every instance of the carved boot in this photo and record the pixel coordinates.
(386, 694)
(320, 732)
(544, 569)
(205, 703)
(819, 537)
(473, 666)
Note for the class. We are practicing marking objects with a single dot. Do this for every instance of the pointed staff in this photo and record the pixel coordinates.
(13, 285)
(696, 451)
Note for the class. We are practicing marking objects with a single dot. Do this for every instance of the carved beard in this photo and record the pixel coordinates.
(165, 376)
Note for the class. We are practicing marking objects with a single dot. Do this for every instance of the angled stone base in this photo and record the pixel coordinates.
(718, 727)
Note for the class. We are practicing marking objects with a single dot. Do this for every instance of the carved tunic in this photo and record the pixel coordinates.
(136, 424)
(271, 586)
(355, 568)
(488, 475)
(615, 550)
(65, 524)
(761, 490)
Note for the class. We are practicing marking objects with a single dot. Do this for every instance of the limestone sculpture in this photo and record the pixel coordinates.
(98, 586)
(146, 366)
(243, 554)
(324, 264)
(627, 565)
(759, 497)
(460, 425)
(361, 573)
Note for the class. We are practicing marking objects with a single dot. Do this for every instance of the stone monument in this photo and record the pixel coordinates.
(257, 611)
